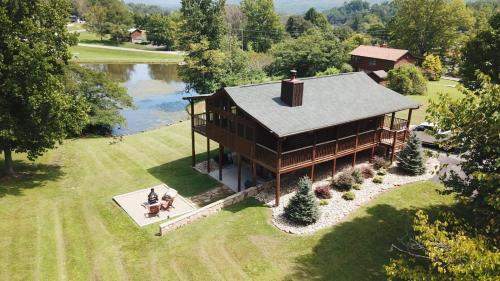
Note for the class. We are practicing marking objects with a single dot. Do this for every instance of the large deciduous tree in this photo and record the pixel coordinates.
(35, 110)
(463, 245)
(162, 31)
(309, 54)
(202, 20)
(316, 18)
(104, 97)
(109, 17)
(263, 27)
(428, 26)
(482, 53)
(407, 80)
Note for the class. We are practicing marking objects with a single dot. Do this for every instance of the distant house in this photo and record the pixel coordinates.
(137, 35)
(372, 58)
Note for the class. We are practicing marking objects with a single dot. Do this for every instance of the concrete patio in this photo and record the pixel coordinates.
(132, 203)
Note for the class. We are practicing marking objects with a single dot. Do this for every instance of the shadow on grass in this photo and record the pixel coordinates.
(181, 176)
(358, 249)
(29, 175)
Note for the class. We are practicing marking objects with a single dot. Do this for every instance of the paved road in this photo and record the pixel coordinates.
(450, 162)
(131, 50)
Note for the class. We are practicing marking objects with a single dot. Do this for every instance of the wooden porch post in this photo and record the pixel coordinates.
(336, 151)
(407, 130)
(313, 157)
(409, 118)
(221, 160)
(254, 173)
(392, 120)
(193, 152)
(356, 145)
(278, 174)
(239, 172)
(208, 155)
(393, 150)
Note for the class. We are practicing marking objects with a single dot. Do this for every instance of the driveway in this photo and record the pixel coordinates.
(450, 162)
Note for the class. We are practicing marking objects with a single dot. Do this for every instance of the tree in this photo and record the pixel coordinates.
(109, 17)
(461, 246)
(234, 18)
(444, 250)
(303, 207)
(428, 26)
(317, 19)
(202, 20)
(474, 122)
(97, 21)
(35, 111)
(263, 27)
(321, 53)
(432, 66)
(407, 80)
(206, 70)
(297, 25)
(104, 97)
(482, 53)
(329, 71)
(410, 159)
(161, 31)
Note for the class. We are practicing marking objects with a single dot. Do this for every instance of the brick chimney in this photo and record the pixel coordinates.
(292, 90)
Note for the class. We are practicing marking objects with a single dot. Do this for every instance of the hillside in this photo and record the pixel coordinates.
(283, 6)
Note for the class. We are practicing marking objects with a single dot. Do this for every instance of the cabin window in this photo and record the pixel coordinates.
(233, 109)
(372, 62)
(241, 130)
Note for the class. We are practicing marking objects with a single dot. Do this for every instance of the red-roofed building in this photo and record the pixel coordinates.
(372, 58)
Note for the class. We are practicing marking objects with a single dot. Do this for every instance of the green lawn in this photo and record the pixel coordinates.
(91, 38)
(433, 89)
(83, 54)
(58, 221)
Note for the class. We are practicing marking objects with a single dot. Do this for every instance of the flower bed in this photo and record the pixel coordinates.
(338, 208)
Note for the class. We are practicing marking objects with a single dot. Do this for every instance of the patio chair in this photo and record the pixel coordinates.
(153, 209)
(167, 203)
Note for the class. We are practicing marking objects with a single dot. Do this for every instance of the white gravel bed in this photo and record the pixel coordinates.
(338, 208)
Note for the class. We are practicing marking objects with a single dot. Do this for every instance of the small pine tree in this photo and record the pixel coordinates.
(410, 158)
(303, 207)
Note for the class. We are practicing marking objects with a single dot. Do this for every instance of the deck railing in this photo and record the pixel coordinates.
(297, 156)
(200, 120)
(266, 155)
(399, 123)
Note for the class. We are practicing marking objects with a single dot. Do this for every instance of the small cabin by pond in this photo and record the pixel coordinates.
(297, 124)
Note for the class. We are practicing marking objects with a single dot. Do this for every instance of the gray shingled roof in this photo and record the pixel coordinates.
(328, 101)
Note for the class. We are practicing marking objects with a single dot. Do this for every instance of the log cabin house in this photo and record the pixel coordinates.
(372, 58)
(297, 124)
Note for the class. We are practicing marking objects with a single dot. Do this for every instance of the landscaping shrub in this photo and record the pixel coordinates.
(379, 163)
(378, 179)
(407, 80)
(433, 68)
(349, 195)
(323, 192)
(367, 172)
(357, 176)
(303, 207)
(410, 159)
(323, 202)
(357, 186)
(382, 172)
(344, 182)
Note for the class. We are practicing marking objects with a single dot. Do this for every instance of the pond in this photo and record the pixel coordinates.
(157, 91)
